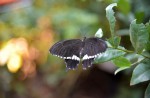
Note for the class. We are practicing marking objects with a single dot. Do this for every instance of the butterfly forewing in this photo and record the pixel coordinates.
(66, 49)
(93, 46)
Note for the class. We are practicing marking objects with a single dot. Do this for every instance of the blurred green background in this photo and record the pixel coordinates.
(28, 28)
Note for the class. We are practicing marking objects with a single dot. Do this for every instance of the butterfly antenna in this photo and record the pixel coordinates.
(83, 34)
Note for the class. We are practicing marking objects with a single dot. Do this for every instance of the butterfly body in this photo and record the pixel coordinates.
(76, 50)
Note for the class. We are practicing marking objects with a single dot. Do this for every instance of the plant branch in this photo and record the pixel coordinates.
(129, 51)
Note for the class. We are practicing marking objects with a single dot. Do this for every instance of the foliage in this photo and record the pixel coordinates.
(139, 37)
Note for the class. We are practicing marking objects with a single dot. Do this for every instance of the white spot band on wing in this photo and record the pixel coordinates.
(85, 57)
(74, 57)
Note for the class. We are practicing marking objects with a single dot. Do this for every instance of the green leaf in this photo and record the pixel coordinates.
(141, 73)
(109, 55)
(139, 36)
(99, 33)
(121, 62)
(124, 6)
(139, 16)
(147, 92)
(120, 69)
(146, 53)
(148, 46)
(148, 43)
(110, 17)
(114, 41)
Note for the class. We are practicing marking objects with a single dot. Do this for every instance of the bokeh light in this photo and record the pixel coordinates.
(12, 53)
(14, 63)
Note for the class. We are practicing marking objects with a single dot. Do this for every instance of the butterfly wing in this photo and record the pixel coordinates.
(66, 49)
(71, 64)
(92, 48)
(69, 50)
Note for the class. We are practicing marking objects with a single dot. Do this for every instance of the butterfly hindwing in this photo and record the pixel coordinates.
(87, 63)
(71, 64)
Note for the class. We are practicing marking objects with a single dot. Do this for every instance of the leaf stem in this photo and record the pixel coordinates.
(129, 51)
(135, 63)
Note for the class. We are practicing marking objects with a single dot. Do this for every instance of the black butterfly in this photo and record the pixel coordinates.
(75, 50)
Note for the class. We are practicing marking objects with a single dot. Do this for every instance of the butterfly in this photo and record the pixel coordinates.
(75, 51)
